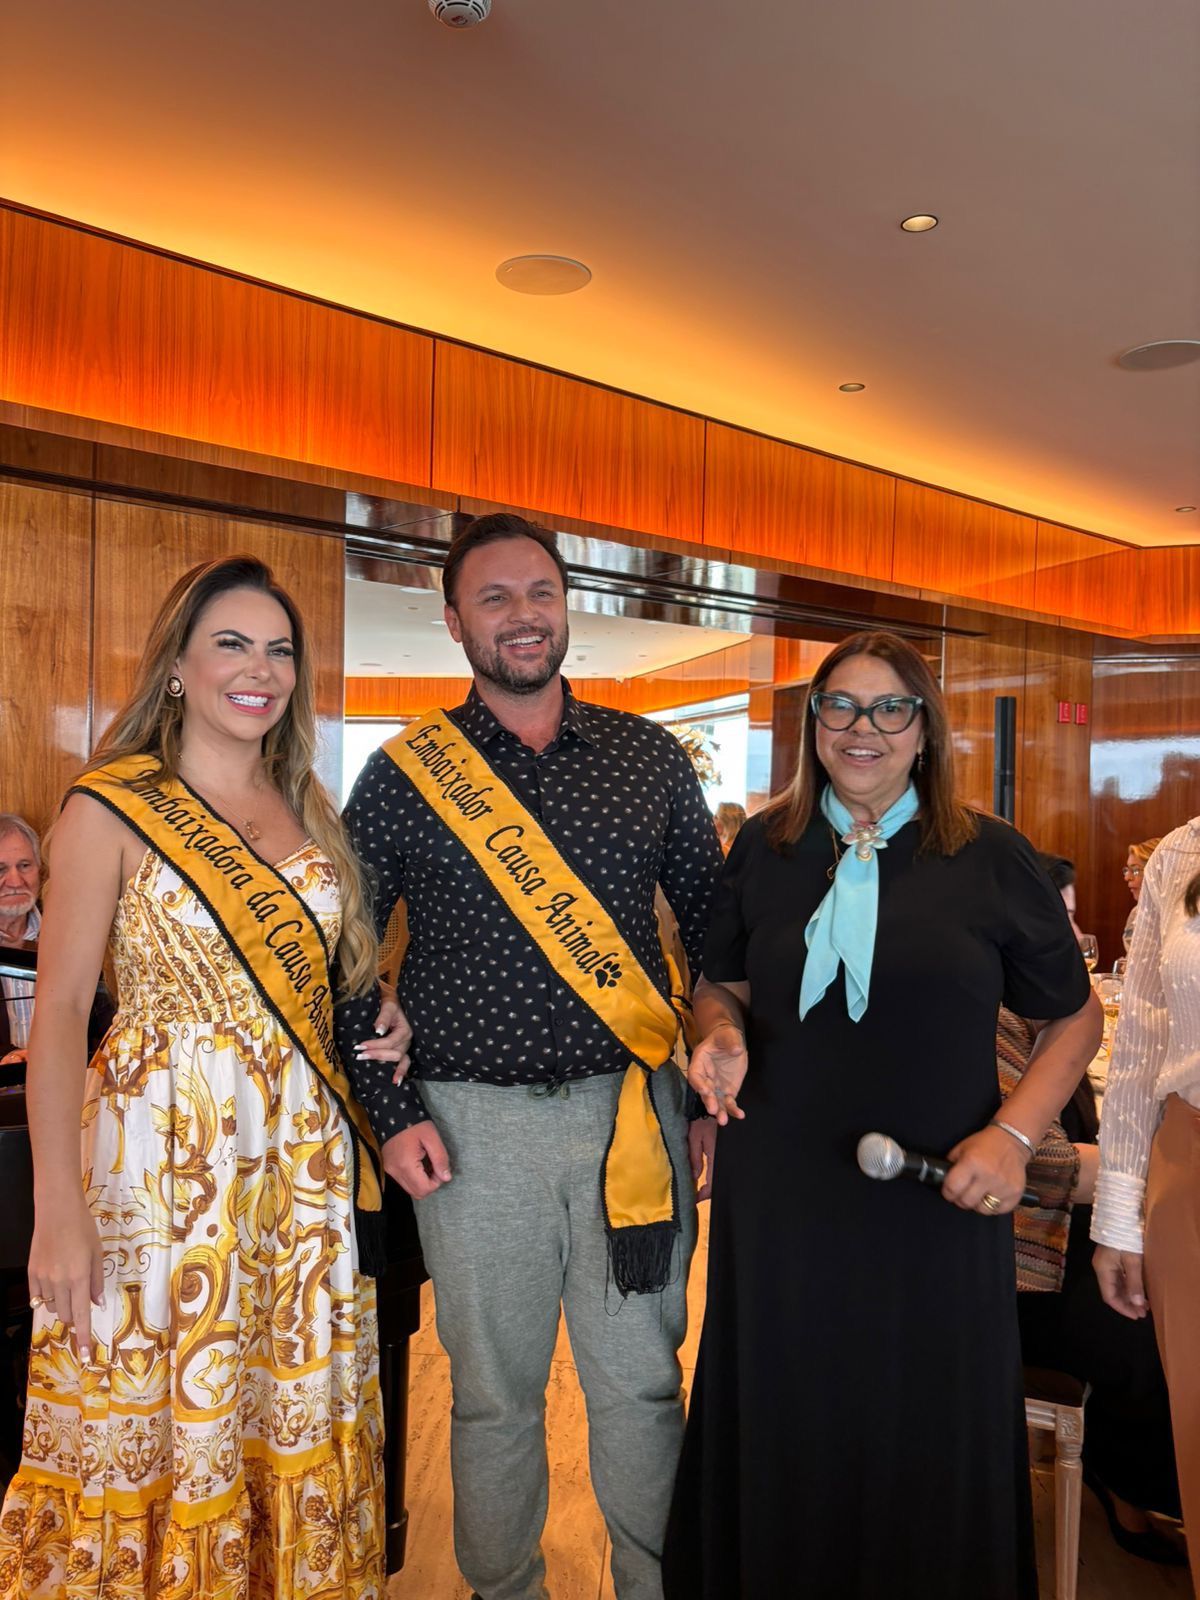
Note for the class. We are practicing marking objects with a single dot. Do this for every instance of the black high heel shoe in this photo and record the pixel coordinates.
(1149, 1545)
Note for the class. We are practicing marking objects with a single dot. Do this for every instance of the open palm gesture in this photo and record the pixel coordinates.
(717, 1070)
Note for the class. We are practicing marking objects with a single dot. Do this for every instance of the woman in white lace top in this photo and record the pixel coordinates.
(1147, 1203)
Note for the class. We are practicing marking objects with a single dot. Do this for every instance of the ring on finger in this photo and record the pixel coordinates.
(36, 1302)
(991, 1202)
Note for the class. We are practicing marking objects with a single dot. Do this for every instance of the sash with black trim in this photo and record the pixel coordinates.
(271, 931)
(585, 950)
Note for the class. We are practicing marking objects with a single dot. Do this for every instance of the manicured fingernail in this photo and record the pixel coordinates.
(380, 1031)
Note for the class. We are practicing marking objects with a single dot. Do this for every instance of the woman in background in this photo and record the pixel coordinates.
(729, 818)
(1133, 872)
(1146, 1218)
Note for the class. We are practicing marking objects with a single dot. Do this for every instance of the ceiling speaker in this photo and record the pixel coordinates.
(1159, 355)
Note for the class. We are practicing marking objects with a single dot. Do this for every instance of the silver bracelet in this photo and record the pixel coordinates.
(1022, 1138)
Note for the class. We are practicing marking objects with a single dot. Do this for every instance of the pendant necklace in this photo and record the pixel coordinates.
(831, 872)
(249, 829)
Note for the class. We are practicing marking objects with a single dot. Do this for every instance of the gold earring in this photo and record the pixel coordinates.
(175, 686)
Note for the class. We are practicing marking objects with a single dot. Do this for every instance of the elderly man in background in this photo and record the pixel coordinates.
(20, 920)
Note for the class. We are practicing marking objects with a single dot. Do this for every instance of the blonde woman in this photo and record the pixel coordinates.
(203, 1411)
(1133, 872)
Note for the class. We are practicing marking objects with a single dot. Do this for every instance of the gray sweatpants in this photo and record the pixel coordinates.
(516, 1233)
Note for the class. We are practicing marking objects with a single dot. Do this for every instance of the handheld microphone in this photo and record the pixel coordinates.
(881, 1157)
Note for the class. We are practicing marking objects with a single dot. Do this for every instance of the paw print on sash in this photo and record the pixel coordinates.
(608, 972)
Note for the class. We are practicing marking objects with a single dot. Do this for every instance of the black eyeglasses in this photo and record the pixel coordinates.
(893, 714)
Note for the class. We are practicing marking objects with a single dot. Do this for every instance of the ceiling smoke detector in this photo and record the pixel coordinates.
(460, 13)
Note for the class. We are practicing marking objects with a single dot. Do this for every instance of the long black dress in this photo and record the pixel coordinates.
(856, 1428)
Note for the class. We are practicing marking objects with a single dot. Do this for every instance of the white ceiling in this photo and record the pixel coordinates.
(733, 174)
(390, 630)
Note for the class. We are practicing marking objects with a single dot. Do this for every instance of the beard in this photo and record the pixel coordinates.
(12, 909)
(516, 677)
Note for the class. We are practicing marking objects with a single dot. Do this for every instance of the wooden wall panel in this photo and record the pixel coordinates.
(1145, 771)
(739, 669)
(797, 659)
(957, 546)
(1053, 794)
(45, 645)
(974, 672)
(103, 329)
(390, 699)
(141, 551)
(1084, 579)
(1164, 588)
(777, 500)
(514, 434)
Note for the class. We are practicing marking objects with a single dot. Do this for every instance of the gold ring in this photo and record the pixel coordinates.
(990, 1202)
(35, 1302)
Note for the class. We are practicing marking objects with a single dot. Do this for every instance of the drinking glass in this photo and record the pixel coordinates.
(1090, 950)
(1119, 968)
(1109, 990)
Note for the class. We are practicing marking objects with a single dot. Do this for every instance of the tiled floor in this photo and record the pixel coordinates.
(575, 1541)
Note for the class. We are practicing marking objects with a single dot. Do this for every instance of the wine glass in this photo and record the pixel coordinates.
(1090, 950)
(1109, 990)
(1120, 966)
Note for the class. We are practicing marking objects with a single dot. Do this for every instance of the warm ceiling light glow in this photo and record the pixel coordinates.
(851, 388)
(922, 222)
(1185, 508)
(543, 274)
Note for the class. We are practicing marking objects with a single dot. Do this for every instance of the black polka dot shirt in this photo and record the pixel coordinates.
(617, 793)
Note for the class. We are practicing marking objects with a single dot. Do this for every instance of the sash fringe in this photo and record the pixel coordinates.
(642, 1258)
(370, 1232)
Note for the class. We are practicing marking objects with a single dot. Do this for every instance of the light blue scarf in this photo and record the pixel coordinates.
(842, 928)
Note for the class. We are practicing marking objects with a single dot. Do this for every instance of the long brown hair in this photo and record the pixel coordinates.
(946, 823)
(151, 723)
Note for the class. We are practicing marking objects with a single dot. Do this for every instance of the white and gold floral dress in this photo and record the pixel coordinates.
(225, 1441)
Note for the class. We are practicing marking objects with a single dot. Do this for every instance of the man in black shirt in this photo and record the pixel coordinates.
(503, 1129)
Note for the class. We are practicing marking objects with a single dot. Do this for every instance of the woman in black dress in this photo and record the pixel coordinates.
(856, 1427)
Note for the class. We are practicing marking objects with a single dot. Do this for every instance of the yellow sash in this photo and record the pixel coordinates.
(584, 948)
(272, 932)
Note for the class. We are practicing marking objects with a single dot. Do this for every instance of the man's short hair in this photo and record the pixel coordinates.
(1059, 870)
(491, 529)
(11, 823)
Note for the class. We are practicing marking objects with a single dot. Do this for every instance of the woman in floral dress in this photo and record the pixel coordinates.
(203, 1413)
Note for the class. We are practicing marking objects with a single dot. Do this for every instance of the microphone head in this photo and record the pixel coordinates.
(879, 1156)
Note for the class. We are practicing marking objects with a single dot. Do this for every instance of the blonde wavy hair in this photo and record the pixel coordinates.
(151, 723)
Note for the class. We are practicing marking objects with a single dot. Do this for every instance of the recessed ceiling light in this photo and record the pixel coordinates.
(851, 388)
(921, 222)
(1160, 354)
(370, 663)
(437, 622)
(1185, 508)
(543, 274)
